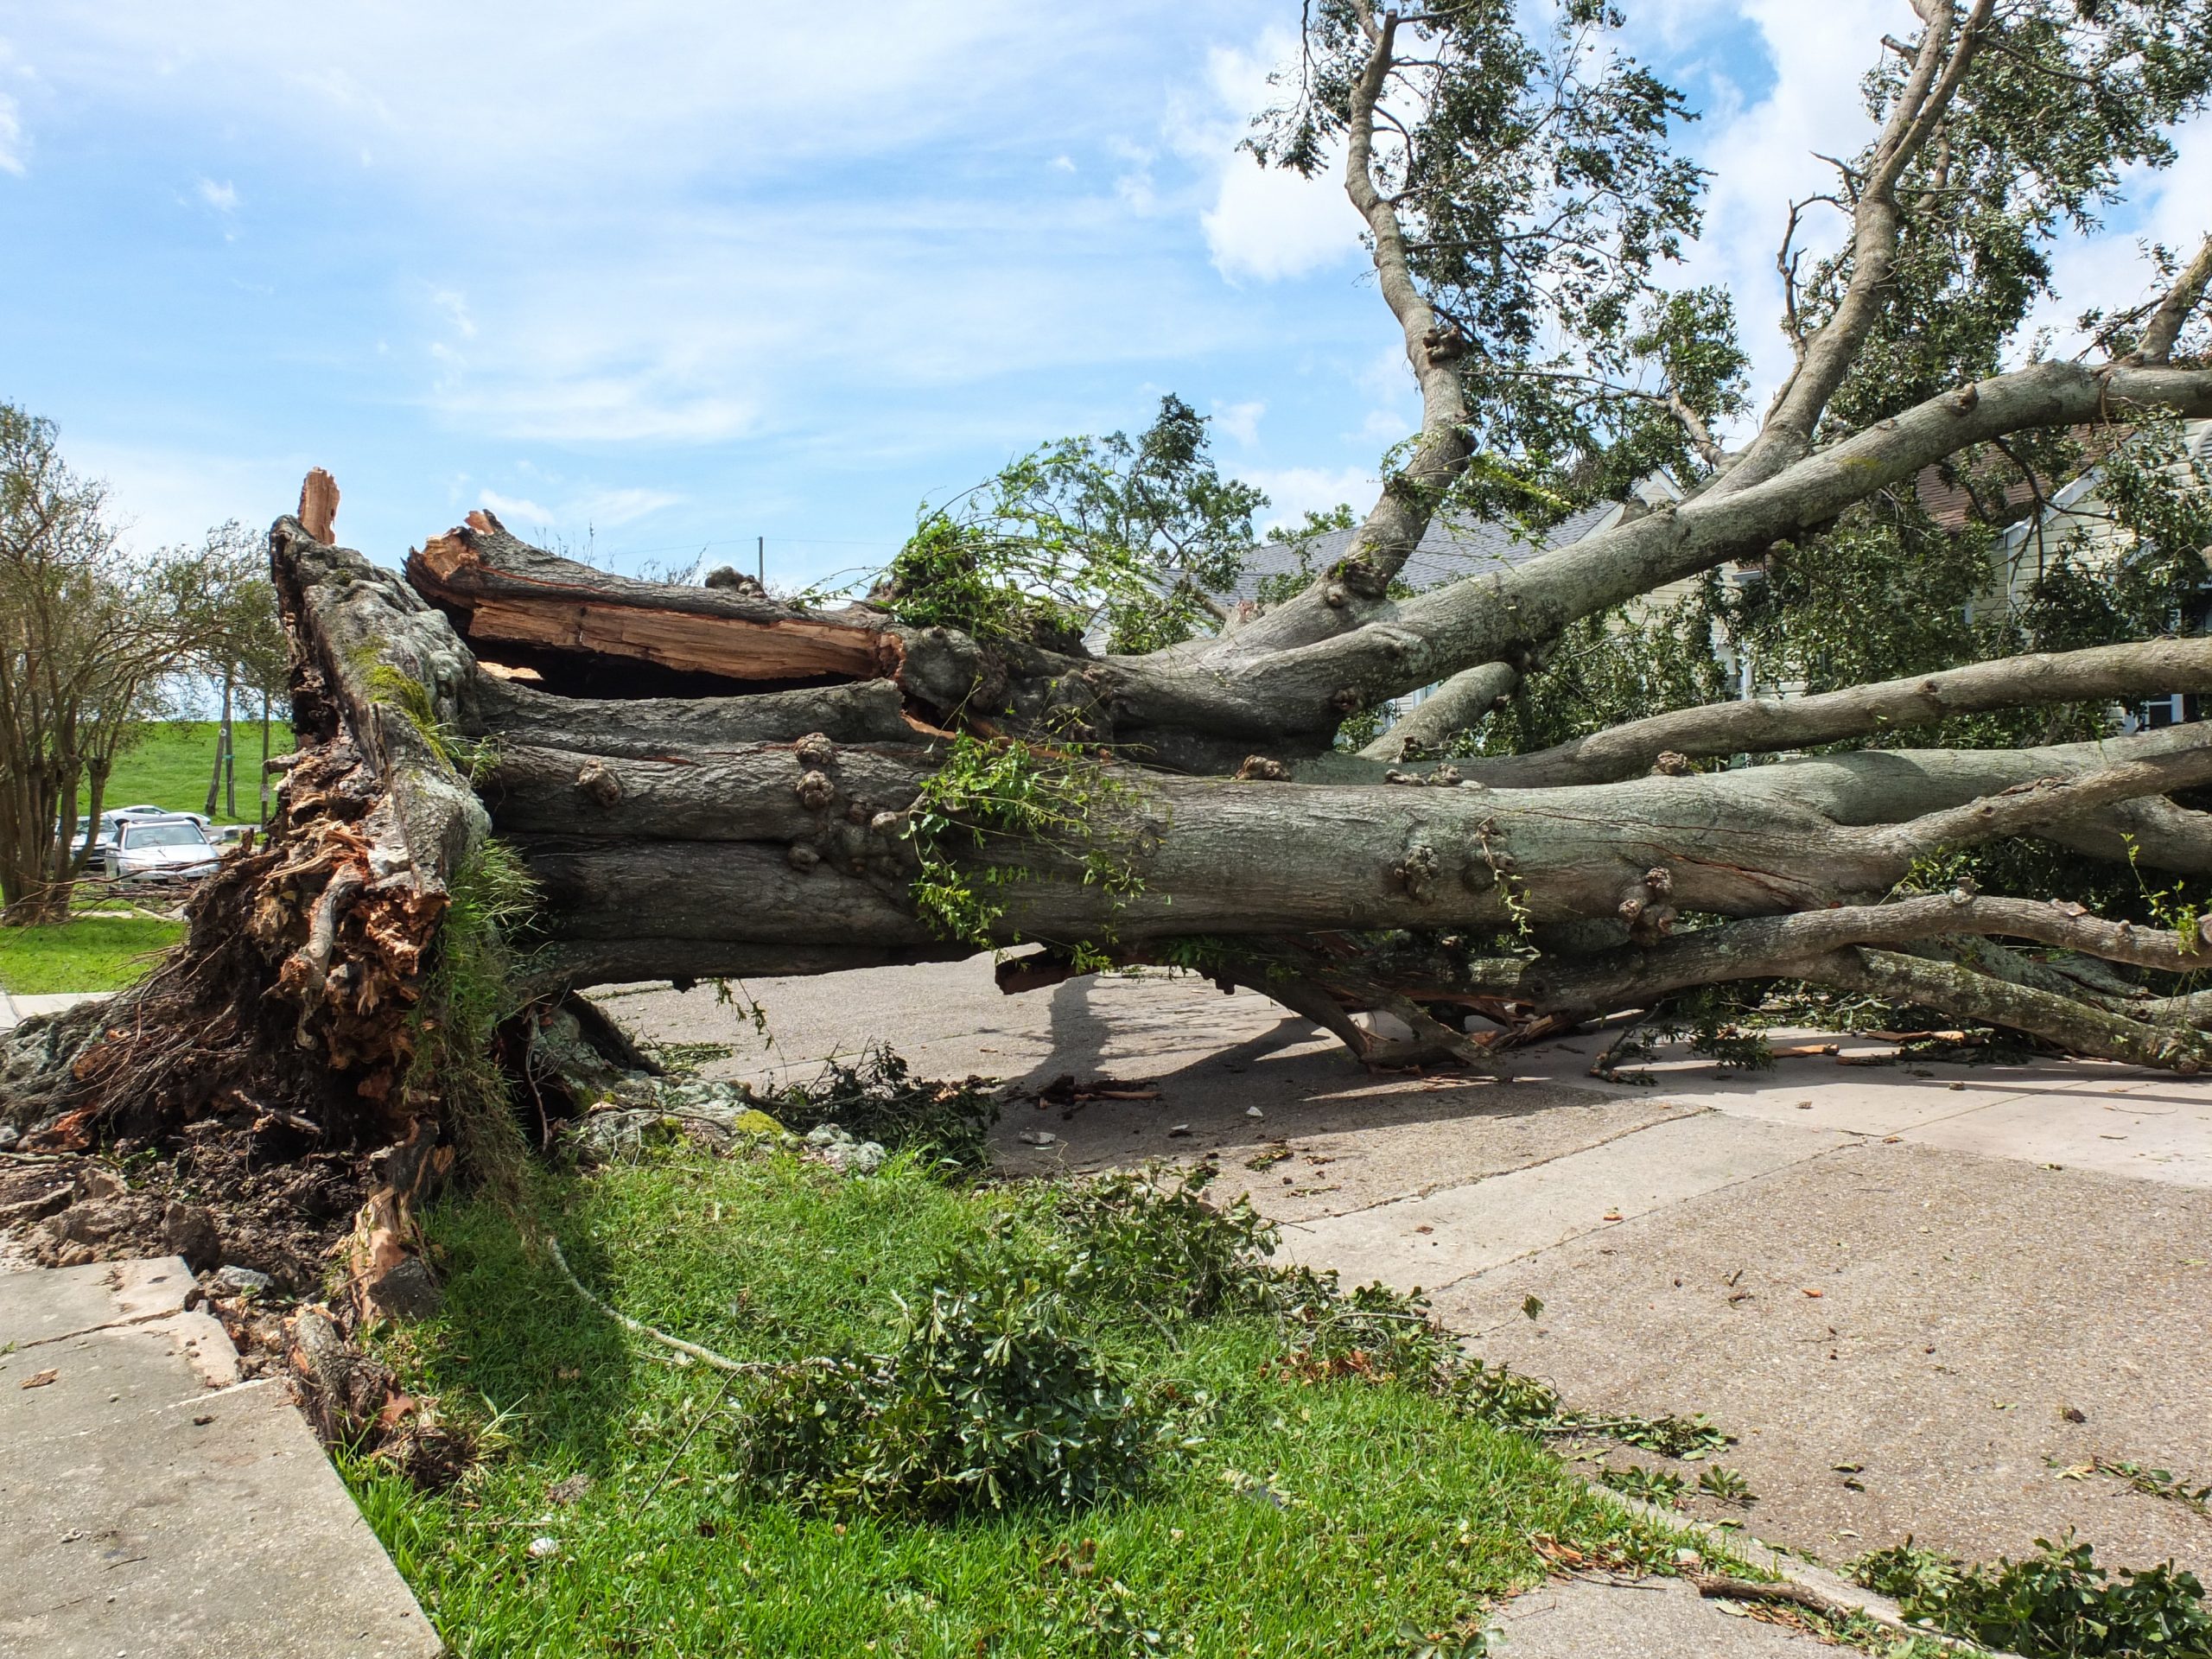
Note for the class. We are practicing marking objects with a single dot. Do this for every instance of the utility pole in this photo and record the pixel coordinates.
(761, 559)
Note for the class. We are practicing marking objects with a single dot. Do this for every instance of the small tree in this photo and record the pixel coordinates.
(248, 653)
(87, 634)
(1140, 532)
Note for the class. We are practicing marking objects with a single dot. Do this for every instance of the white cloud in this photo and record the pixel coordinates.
(1133, 186)
(1240, 420)
(596, 409)
(627, 233)
(580, 93)
(162, 497)
(519, 509)
(11, 137)
(613, 508)
(1265, 224)
(454, 304)
(1294, 491)
(223, 198)
(599, 509)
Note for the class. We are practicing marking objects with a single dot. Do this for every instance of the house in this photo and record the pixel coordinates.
(2075, 521)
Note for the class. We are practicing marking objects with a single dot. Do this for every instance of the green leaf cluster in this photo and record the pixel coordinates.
(2058, 1604)
(2060, 102)
(990, 1395)
(999, 795)
(1530, 164)
(1136, 532)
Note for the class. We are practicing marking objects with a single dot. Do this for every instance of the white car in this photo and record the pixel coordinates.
(116, 815)
(142, 849)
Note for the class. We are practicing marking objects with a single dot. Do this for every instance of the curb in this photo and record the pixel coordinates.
(1791, 1569)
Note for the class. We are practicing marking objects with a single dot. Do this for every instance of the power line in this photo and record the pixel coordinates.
(739, 541)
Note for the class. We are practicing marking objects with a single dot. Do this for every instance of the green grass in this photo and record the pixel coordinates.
(93, 953)
(170, 765)
(1307, 1519)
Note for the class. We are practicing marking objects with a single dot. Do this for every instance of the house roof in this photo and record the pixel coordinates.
(1447, 552)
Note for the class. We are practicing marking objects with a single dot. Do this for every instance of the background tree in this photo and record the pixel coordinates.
(249, 653)
(1136, 534)
(88, 636)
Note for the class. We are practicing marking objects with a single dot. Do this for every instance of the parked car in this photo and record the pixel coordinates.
(116, 816)
(142, 849)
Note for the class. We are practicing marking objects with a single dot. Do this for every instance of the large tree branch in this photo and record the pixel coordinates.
(1460, 702)
(1763, 725)
(1394, 527)
(2029, 807)
(2172, 313)
(1498, 615)
(1825, 357)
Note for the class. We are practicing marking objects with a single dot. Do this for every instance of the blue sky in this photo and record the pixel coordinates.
(668, 275)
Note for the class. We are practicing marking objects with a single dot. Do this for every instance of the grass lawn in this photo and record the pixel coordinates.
(92, 953)
(1283, 1517)
(169, 766)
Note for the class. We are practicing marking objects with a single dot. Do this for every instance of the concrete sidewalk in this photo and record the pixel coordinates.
(1962, 1282)
(14, 1010)
(152, 1504)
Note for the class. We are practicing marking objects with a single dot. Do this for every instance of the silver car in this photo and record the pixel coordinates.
(145, 847)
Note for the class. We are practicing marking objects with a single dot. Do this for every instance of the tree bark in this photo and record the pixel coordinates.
(2101, 675)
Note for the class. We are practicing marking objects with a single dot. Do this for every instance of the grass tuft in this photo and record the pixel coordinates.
(468, 993)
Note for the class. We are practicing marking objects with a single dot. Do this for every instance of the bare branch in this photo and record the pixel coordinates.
(1825, 946)
(1963, 993)
(1763, 725)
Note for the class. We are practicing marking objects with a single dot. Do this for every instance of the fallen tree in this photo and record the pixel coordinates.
(521, 777)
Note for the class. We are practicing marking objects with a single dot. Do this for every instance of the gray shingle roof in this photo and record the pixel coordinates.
(1447, 552)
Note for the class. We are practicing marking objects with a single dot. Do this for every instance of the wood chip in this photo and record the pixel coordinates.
(40, 1381)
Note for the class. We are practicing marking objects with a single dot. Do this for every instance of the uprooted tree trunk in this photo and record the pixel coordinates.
(698, 783)
(702, 783)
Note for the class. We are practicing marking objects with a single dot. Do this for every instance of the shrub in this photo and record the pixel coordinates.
(1150, 1237)
(990, 1396)
(2058, 1604)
